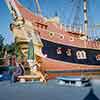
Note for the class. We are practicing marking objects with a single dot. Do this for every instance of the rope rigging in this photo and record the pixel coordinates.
(77, 18)
(94, 29)
(75, 14)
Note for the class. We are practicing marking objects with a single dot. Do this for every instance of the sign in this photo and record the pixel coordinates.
(81, 54)
(98, 57)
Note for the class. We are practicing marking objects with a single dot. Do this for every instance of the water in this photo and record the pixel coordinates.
(50, 91)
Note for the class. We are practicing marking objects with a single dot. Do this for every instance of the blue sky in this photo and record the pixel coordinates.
(64, 8)
(5, 19)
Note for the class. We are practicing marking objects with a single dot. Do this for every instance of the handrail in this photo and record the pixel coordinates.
(76, 29)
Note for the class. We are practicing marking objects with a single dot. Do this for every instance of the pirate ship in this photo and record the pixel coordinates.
(63, 50)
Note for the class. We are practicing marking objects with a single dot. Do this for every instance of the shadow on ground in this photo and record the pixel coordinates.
(91, 95)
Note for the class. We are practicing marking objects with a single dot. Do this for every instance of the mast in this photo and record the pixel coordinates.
(13, 8)
(38, 7)
(85, 18)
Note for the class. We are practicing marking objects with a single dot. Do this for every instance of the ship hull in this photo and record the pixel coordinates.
(71, 54)
(56, 68)
(62, 62)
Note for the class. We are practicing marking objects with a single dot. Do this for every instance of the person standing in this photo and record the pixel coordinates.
(19, 70)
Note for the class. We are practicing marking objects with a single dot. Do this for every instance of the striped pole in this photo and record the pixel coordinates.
(85, 18)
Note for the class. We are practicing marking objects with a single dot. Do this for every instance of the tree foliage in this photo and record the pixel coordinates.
(11, 48)
(1, 45)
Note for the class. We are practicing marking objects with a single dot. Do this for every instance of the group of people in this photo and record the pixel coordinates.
(34, 68)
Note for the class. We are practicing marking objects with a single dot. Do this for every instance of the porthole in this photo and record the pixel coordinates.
(51, 34)
(62, 36)
(72, 39)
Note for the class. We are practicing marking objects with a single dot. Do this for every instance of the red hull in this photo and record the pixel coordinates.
(58, 68)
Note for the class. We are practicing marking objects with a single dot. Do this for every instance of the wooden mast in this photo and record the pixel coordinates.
(13, 8)
(38, 7)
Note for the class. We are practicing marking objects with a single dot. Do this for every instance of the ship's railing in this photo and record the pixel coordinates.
(93, 44)
(75, 29)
